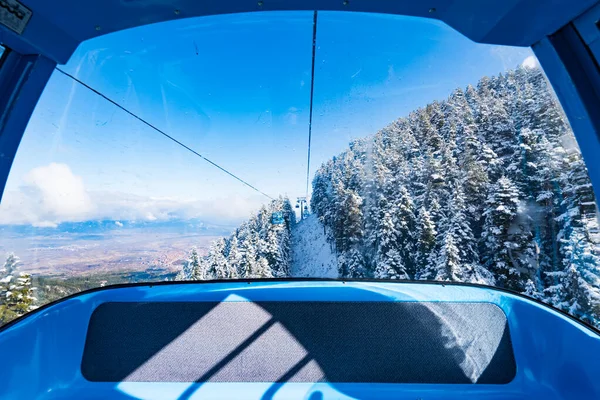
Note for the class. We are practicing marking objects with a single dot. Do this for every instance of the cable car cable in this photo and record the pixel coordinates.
(312, 92)
(163, 133)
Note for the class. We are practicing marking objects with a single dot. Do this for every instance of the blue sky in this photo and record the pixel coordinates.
(236, 89)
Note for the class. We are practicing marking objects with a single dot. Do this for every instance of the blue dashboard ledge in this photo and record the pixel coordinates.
(556, 357)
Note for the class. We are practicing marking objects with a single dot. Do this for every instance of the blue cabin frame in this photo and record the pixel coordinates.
(556, 356)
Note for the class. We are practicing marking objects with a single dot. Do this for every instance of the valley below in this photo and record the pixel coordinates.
(69, 259)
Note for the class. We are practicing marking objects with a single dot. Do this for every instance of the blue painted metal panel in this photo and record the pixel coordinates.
(575, 78)
(557, 357)
(56, 29)
(586, 26)
(41, 36)
(22, 80)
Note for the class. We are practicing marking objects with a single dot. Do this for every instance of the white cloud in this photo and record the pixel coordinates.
(119, 224)
(53, 194)
(530, 62)
(50, 194)
(150, 217)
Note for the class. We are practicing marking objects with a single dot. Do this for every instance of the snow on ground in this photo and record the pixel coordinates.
(311, 254)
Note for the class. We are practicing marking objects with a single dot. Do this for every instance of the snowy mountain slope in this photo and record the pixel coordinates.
(258, 248)
(485, 186)
(311, 254)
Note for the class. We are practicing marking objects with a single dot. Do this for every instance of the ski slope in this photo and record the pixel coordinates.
(311, 254)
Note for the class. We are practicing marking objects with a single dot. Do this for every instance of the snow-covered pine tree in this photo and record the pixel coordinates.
(11, 265)
(352, 264)
(390, 266)
(458, 233)
(250, 255)
(404, 221)
(349, 219)
(257, 249)
(234, 258)
(16, 291)
(449, 264)
(577, 288)
(504, 241)
(426, 236)
(216, 261)
(191, 268)
(389, 260)
(474, 164)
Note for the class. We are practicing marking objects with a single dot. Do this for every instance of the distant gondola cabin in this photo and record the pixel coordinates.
(277, 218)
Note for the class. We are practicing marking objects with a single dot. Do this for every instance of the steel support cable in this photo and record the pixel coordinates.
(164, 133)
(312, 93)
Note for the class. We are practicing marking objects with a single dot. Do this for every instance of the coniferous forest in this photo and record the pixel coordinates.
(487, 186)
(257, 249)
(16, 293)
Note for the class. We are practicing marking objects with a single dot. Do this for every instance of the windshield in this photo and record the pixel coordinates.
(231, 147)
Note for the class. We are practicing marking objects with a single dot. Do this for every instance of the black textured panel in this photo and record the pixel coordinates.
(383, 342)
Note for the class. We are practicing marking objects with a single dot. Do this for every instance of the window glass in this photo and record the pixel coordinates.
(181, 151)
